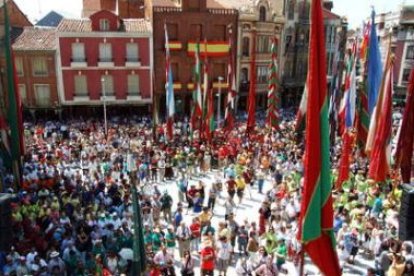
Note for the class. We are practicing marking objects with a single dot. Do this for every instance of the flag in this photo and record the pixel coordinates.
(374, 67)
(404, 150)
(251, 102)
(231, 95)
(348, 138)
(316, 220)
(169, 88)
(198, 99)
(273, 99)
(374, 78)
(380, 164)
(363, 113)
(14, 108)
(300, 115)
(205, 80)
(209, 121)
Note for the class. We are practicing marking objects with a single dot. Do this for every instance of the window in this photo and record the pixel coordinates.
(262, 14)
(105, 52)
(261, 74)
(406, 75)
(78, 52)
(244, 76)
(262, 44)
(410, 52)
(39, 66)
(104, 24)
(42, 93)
(291, 10)
(196, 31)
(133, 85)
(81, 86)
(22, 93)
(18, 62)
(246, 46)
(132, 52)
(109, 85)
(172, 31)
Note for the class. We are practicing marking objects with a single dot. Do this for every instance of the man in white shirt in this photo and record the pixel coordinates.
(223, 250)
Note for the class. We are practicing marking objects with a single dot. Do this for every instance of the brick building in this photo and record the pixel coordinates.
(189, 22)
(105, 54)
(34, 52)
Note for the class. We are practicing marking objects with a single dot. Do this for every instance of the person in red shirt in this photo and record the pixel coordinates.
(195, 229)
(207, 257)
(231, 186)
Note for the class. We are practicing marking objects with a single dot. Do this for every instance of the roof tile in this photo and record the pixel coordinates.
(34, 38)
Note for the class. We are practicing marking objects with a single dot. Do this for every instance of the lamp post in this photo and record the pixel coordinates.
(220, 79)
(104, 106)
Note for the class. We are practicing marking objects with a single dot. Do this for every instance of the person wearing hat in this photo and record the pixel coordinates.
(170, 238)
(56, 264)
(223, 252)
(207, 258)
(183, 234)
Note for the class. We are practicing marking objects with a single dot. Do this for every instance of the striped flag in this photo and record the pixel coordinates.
(404, 150)
(273, 99)
(231, 95)
(380, 164)
(205, 80)
(316, 220)
(169, 89)
(198, 108)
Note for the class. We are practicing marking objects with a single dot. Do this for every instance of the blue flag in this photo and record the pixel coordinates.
(374, 67)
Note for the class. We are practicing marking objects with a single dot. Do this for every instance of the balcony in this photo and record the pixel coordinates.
(106, 63)
(78, 63)
(108, 98)
(132, 62)
(134, 96)
(81, 97)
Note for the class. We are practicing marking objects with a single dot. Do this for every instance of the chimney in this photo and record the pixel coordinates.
(328, 4)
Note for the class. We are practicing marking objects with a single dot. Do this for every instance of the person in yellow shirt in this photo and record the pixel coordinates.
(397, 266)
(240, 186)
(205, 217)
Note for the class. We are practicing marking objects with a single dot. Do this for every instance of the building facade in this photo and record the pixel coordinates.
(263, 21)
(296, 43)
(190, 22)
(104, 58)
(35, 60)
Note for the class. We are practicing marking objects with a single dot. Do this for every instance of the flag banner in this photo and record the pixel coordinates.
(229, 115)
(404, 151)
(300, 115)
(316, 219)
(169, 90)
(379, 167)
(251, 102)
(273, 99)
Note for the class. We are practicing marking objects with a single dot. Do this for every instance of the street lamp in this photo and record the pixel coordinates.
(104, 106)
(220, 79)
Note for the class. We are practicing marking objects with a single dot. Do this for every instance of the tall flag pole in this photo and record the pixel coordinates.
(380, 164)
(209, 121)
(169, 89)
(251, 103)
(197, 97)
(349, 120)
(374, 80)
(273, 99)
(205, 79)
(316, 219)
(14, 110)
(404, 152)
(363, 112)
(231, 95)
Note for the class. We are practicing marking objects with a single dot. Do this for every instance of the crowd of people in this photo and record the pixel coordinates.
(73, 213)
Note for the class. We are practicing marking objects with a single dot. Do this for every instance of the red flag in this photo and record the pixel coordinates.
(381, 151)
(316, 220)
(251, 104)
(404, 151)
(345, 161)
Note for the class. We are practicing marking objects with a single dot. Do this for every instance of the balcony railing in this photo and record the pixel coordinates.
(132, 62)
(105, 62)
(167, 9)
(223, 11)
(78, 62)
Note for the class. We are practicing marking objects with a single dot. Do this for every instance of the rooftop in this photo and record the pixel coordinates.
(34, 38)
(211, 4)
(85, 25)
(52, 19)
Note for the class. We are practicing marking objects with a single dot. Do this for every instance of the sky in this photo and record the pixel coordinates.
(355, 10)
